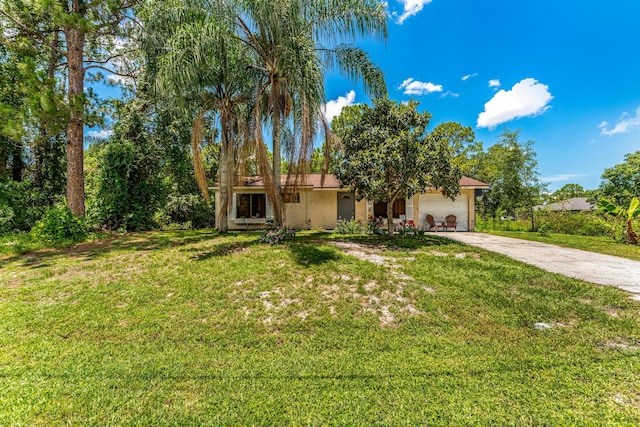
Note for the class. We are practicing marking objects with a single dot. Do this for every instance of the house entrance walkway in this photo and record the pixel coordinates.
(588, 266)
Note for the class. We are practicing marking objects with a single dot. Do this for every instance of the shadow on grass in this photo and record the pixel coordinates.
(398, 242)
(88, 251)
(222, 249)
(307, 252)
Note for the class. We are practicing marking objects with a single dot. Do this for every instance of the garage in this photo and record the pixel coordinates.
(439, 207)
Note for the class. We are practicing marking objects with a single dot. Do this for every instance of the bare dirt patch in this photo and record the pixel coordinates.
(620, 345)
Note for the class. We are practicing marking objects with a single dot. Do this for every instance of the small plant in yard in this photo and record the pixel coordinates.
(351, 226)
(277, 235)
(628, 215)
(544, 230)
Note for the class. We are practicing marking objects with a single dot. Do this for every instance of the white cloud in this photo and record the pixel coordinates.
(526, 98)
(411, 8)
(468, 76)
(415, 87)
(626, 123)
(449, 93)
(120, 80)
(494, 83)
(100, 134)
(334, 107)
(562, 177)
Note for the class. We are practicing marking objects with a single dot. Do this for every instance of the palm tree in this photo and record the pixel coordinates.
(294, 43)
(289, 45)
(204, 71)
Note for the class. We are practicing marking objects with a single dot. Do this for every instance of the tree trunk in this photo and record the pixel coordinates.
(631, 236)
(277, 163)
(16, 163)
(226, 184)
(390, 226)
(75, 128)
(4, 157)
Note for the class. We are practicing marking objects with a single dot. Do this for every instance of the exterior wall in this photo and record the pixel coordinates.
(361, 210)
(295, 214)
(471, 197)
(322, 208)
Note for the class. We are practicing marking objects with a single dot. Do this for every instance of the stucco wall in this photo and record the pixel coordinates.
(323, 209)
(295, 214)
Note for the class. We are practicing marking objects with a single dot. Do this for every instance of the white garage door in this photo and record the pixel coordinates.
(440, 207)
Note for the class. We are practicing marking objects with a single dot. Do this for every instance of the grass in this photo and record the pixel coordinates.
(194, 328)
(600, 244)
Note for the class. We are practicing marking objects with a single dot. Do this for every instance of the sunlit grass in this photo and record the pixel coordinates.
(193, 328)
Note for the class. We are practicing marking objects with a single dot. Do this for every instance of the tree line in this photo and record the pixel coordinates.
(208, 87)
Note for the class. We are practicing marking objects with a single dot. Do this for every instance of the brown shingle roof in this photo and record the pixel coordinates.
(310, 180)
(470, 182)
(330, 181)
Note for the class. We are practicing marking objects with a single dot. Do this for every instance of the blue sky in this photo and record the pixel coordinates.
(564, 72)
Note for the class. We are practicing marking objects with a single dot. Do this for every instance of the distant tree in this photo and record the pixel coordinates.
(387, 154)
(511, 168)
(568, 191)
(466, 152)
(622, 182)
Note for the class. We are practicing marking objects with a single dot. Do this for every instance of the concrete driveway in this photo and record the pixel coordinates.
(588, 266)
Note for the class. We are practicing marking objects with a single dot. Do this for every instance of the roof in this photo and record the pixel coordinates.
(470, 182)
(313, 180)
(574, 204)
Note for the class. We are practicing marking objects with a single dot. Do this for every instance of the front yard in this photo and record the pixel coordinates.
(193, 328)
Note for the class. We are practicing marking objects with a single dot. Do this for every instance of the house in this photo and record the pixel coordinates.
(574, 205)
(317, 203)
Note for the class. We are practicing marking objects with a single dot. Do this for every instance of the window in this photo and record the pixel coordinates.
(291, 197)
(399, 208)
(251, 206)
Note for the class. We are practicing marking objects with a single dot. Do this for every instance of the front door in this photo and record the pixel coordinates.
(346, 206)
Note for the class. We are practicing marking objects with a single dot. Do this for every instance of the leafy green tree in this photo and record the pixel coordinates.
(568, 191)
(621, 182)
(387, 154)
(466, 152)
(511, 168)
(128, 189)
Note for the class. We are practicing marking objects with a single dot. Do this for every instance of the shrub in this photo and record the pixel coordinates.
(21, 205)
(544, 230)
(581, 224)
(126, 186)
(352, 226)
(185, 211)
(59, 225)
(277, 235)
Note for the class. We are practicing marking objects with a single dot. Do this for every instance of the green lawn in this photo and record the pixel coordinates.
(193, 328)
(603, 245)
